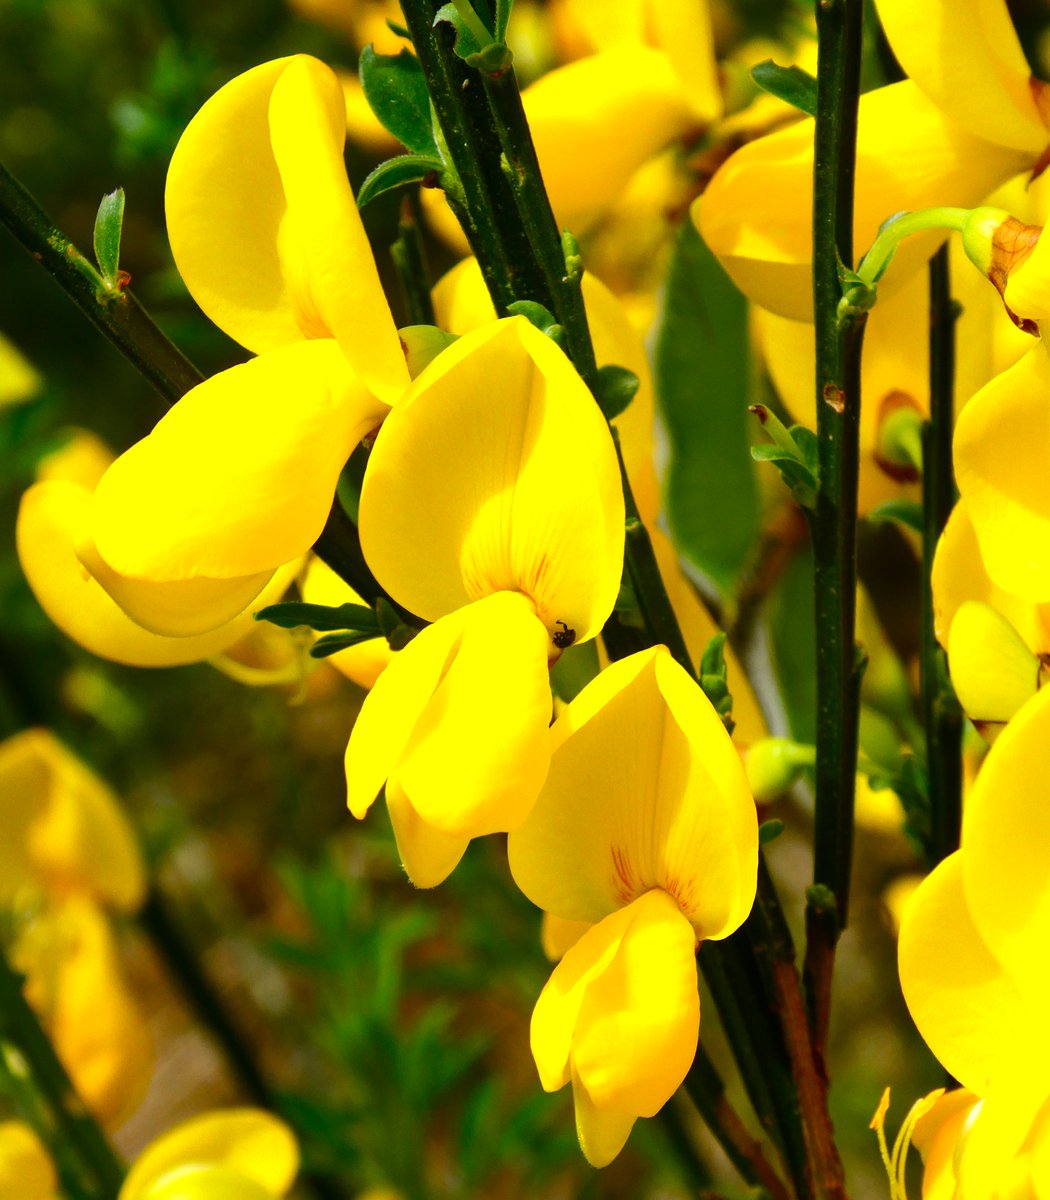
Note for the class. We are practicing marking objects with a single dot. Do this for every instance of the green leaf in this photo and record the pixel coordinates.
(322, 617)
(794, 452)
(713, 679)
(617, 387)
(769, 831)
(792, 84)
(503, 8)
(396, 91)
(702, 368)
(396, 172)
(332, 643)
(109, 224)
(793, 645)
(905, 512)
(541, 317)
(467, 42)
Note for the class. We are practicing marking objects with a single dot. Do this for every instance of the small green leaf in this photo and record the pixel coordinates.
(794, 452)
(396, 172)
(769, 831)
(905, 512)
(792, 84)
(332, 643)
(703, 375)
(397, 93)
(109, 224)
(617, 387)
(714, 679)
(322, 617)
(541, 317)
(467, 40)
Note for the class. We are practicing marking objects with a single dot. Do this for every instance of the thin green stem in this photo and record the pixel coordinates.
(942, 717)
(873, 265)
(839, 28)
(28, 1054)
(407, 253)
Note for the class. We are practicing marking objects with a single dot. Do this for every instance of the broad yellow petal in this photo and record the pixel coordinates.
(963, 1002)
(67, 823)
(1002, 462)
(937, 1135)
(26, 1170)
(52, 522)
(1006, 840)
(197, 1182)
(83, 458)
(239, 476)
(557, 935)
(965, 56)
(645, 790)
(682, 29)
(620, 1015)
(756, 214)
(1003, 1135)
(993, 671)
(428, 855)
(473, 489)
(247, 1141)
(263, 224)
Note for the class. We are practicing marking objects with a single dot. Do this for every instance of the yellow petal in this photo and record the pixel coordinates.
(620, 1015)
(68, 822)
(51, 523)
(965, 56)
(993, 671)
(1007, 846)
(239, 476)
(517, 512)
(196, 1182)
(1027, 292)
(77, 986)
(614, 23)
(263, 224)
(246, 1141)
(756, 214)
(682, 29)
(458, 726)
(959, 996)
(1002, 461)
(596, 120)
(83, 458)
(364, 662)
(645, 790)
(994, 1156)
(19, 379)
(937, 1136)
(26, 1170)
(557, 935)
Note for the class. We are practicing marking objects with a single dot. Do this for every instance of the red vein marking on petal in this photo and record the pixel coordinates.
(624, 885)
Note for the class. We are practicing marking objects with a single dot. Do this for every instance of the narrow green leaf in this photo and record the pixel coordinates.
(769, 831)
(792, 84)
(396, 172)
(467, 42)
(793, 645)
(703, 366)
(905, 512)
(332, 643)
(503, 8)
(323, 617)
(397, 93)
(109, 224)
(617, 387)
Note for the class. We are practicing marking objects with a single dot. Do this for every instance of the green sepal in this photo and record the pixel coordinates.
(396, 632)
(769, 831)
(905, 512)
(794, 453)
(570, 248)
(321, 617)
(791, 84)
(541, 317)
(397, 172)
(109, 224)
(396, 91)
(714, 679)
(616, 387)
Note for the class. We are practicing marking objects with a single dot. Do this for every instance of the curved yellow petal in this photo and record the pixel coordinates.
(937, 1136)
(198, 1182)
(363, 663)
(756, 214)
(963, 1002)
(26, 1170)
(620, 1016)
(596, 120)
(75, 982)
(557, 935)
(1002, 462)
(1027, 291)
(645, 790)
(993, 671)
(263, 224)
(1007, 845)
(83, 458)
(246, 1141)
(472, 489)
(966, 57)
(1003, 1135)
(67, 822)
(19, 379)
(457, 725)
(52, 520)
(682, 29)
(238, 477)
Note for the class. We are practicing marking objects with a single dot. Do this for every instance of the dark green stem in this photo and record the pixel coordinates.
(941, 714)
(839, 28)
(407, 253)
(28, 1053)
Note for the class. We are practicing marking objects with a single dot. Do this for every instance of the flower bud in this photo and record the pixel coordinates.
(999, 244)
(774, 764)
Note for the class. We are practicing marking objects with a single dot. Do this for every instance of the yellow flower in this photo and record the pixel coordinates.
(646, 830)
(231, 1154)
(491, 506)
(19, 380)
(973, 968)
(968, 119)
(26, 1170)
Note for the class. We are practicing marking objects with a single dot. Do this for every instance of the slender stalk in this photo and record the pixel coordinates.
(407, 253)
(942, 717)
(839, 29)
(707, 1091)
(27, 1051)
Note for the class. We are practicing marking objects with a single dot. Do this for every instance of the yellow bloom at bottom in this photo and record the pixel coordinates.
(26, 1171)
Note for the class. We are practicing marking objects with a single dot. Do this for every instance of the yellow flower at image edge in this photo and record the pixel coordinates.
(26, 1170)
(496, 514)
(645, 829)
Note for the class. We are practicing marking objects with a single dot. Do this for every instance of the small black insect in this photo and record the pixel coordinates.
(565, 636)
